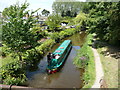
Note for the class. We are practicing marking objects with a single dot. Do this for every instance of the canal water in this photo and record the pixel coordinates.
(68, 77)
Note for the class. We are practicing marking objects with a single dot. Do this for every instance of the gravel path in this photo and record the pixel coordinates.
(99, 70)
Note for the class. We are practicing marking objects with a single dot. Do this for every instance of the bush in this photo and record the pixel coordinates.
(81, 61)
(5, 51)
(13, 73)
(15, 81)
(62, 34)
(54, 36)
(70, 31)
(43, 48)
(31, 56)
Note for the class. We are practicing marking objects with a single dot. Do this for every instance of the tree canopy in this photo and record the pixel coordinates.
(45, 12)
(17, 28)
(53, 22)
(66, 8)
(104, 18)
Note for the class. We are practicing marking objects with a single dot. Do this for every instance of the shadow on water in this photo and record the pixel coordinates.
(67, 77)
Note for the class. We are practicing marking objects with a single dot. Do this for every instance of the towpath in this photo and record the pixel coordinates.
(99, 70)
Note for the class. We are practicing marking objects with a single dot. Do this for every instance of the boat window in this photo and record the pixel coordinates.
(58, 51)
(61, 47)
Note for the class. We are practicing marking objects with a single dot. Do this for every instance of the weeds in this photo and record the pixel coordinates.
(85, 60)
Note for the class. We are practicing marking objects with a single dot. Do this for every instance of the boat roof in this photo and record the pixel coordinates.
(62, 47)
(59, 51)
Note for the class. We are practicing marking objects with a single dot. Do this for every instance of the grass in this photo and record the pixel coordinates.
(110, 67)
(90, 70)
(89, 74)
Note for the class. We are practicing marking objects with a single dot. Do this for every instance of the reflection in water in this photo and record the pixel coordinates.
(67, 77)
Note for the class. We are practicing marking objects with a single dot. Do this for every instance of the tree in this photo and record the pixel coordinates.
(17, 27)
(104, 20)
(53, 22)
(80, 20)
(45, 12)
(67, 7)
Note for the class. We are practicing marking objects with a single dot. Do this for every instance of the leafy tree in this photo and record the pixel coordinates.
(114, 33)
(45, 12)
(103, 20)
(80, 20)
(17, 33)
(53, 22)
(66, 8)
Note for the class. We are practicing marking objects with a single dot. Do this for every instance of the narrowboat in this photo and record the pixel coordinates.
(57, 61)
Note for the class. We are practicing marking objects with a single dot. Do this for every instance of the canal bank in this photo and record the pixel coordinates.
(77, 39)
(68, 77)
(85, 60)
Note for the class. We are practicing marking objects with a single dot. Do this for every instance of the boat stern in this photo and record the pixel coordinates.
(51, 71)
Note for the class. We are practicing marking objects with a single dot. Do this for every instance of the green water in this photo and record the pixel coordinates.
(68, 77)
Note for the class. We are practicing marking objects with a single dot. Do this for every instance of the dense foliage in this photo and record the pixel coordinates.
(47, 45)
(18, 37)
(80, 21)
(62, 34)
(13, 73)
(53, 22)
(104, 18)
(66, 8)
(17, 33)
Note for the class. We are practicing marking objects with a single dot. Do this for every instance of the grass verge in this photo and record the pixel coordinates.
(89, 74)
(89, 67)
(110, 67)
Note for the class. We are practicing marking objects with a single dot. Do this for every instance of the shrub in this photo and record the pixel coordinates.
(70, 31)
(81, 61)
(82, 53)
(13, 73)
(54, 36)
(15, 80)
(4, 51)
(62, 34)
(31, 56)
(43, 48)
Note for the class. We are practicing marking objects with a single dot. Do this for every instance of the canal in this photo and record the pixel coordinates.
(68, 77)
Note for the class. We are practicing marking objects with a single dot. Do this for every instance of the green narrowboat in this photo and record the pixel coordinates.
(63, 50)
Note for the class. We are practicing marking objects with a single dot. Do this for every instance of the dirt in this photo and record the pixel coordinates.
(99, 70)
